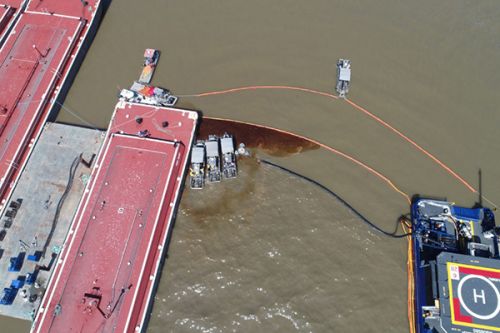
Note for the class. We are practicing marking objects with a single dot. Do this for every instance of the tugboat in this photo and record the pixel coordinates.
(197, 169)
(229, 158)
(213, 159)
(146, 94)
(151, 57)
(343, 76)
(456, 268)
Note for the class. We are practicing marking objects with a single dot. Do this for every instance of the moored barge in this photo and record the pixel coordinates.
(38, 61)
(106, 273)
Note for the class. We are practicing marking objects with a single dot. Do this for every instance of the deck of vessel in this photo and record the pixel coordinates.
(37, 62)
(41, 189)
(105, 276)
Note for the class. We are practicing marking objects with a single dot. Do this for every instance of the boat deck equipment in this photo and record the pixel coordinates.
(213, 159)
(229, 168)
(457, 268)
(151, 57)
(197, 169)
(343, 76)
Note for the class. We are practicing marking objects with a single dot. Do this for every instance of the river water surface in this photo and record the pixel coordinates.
(271, 252)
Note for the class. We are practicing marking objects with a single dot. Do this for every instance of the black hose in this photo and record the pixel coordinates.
(72, 171)
(345, 203)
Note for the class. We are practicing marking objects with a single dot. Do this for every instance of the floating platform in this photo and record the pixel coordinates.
(106, 274)
(343, 77)
(38, 61)
(456, 268)
(151, 57)
(38, 206)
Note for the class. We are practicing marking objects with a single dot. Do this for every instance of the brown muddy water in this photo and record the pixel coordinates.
(271, 252)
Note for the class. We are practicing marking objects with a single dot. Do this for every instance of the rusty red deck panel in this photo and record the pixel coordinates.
(105, 276)
(37, 62)
(62, 7)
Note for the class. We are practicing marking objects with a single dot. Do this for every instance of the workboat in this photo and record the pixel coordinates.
(228, 157)
(343, 76)
(456, 268)
(197, 169)
(151, 57)
(213, 159)
(146, 94)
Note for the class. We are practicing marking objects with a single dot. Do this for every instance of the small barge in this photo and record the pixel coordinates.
(456, 268)
(151, 57)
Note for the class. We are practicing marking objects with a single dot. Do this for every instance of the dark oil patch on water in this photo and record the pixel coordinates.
(271, 141)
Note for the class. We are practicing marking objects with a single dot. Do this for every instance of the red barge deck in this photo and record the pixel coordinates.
(38, 61)
(106, 273)
(9, 12)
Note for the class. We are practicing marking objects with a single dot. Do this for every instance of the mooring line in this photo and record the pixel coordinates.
(329, 148)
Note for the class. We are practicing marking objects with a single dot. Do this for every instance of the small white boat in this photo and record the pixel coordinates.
(343, 76)
(146, 94)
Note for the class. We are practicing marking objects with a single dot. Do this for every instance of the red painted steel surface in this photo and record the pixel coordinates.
(27, 74)
(63, 7)
(13, 3)
(105, 275)
(35, 62)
